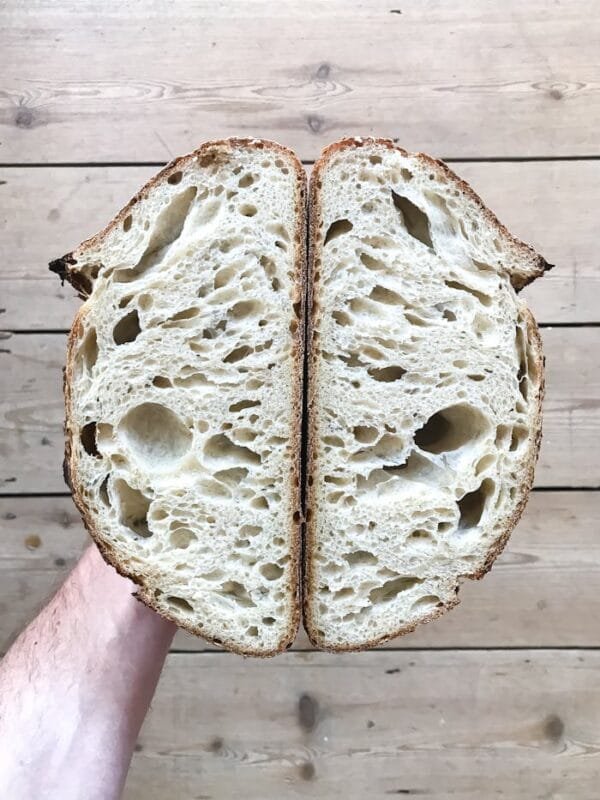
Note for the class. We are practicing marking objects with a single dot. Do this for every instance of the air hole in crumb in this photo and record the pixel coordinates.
(133, 508)
(179, 604)
(252, 631)
(231, 476)
(161, 382)
(518, 437)
(342, 318)
(250, 530)
(416, 221)
(387, 374)
(421, 538)
(248, 210)
(181, 316)
(242, 404)
(484, 463)
(224, 276)
(484, 299)
(338, 228)
(125, 300)
(236, 592)
(175, 178)
(181, 538)
(334, 441)
(127, 223)
(271, 571)
(155, 435)
(166, 230)
(88, 439)
(428, 602)
(452, 428)
(104, 434)
(472, 505)
(103, 492)
(259, 502)
(361, 557)
(391, 589)
(372, 263)
(381, 294)
(88, 352)
(246, 180)
(220, 449)
(145, 302)
(127, 328)
(245, 308)
(238, 354)
(365, 434)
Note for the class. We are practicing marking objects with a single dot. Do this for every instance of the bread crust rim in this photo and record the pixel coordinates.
(66, 268)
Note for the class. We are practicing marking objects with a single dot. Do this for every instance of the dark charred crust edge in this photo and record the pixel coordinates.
(63, 267)
(145, 593)
(536, 427)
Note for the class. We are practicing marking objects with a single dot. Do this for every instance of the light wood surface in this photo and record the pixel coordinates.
(31, 410)
(551, 562)
(472, 725)
(55, 209)
(141, 81)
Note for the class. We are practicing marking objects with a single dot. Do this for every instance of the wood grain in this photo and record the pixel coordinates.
(438, 725)
(551, 205)
(542, 592)
(31, 411)
(462, 80)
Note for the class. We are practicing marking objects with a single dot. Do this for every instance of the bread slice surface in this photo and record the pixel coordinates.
(183, 391)
(425, 381)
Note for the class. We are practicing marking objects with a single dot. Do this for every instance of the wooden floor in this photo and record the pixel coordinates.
(501, 698)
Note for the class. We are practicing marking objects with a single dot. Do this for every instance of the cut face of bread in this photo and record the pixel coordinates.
(183, 391)
(425, 384)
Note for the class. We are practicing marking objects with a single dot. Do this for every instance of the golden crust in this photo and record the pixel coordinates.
(527, 252)
(66, 267)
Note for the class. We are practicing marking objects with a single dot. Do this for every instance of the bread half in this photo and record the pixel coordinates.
(183, 391)
(424, 391)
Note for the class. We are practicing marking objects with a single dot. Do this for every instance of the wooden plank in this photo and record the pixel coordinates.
(542, 592)
(438, 725)
(31, 411)
(550, 204)
(463, 79)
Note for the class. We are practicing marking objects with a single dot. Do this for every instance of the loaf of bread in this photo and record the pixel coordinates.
(193, 416)
(425, 380)
(183, 391)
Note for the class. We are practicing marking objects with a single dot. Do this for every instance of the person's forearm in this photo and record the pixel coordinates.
(75, 687)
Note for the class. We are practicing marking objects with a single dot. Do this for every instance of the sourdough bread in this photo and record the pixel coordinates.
(425, 379)
(183, 391)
